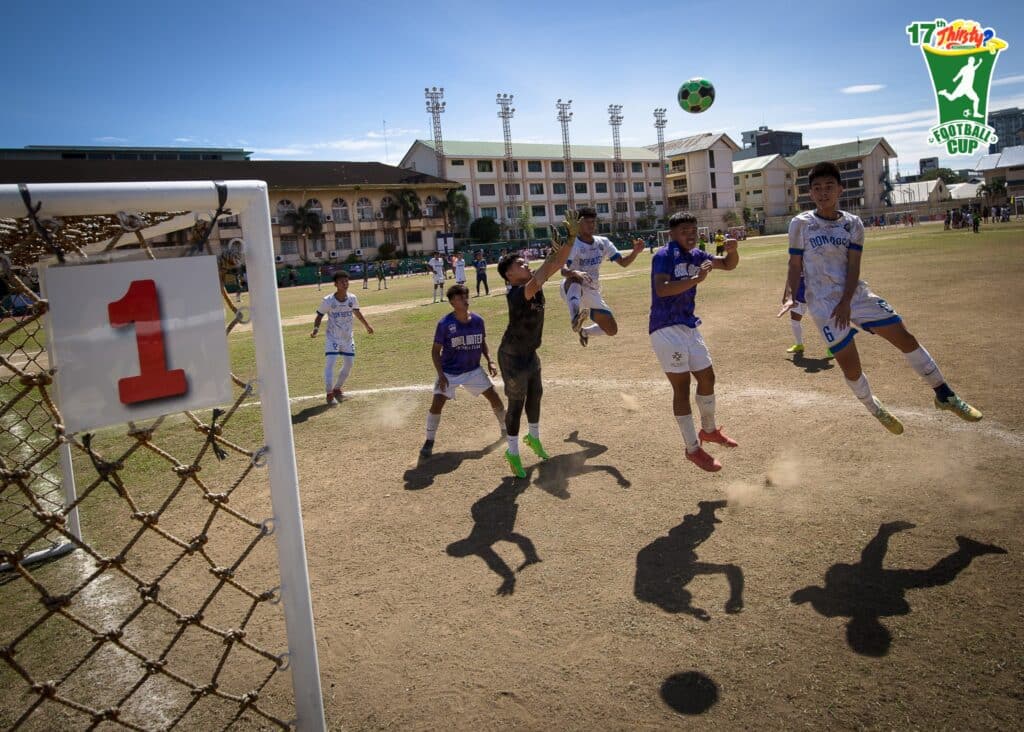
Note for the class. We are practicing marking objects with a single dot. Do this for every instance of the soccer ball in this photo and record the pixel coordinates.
(696, 95)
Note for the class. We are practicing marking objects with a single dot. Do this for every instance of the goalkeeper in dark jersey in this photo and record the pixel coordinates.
(517, 354)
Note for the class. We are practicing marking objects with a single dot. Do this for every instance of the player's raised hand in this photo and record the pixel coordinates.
(557, 242)
(705, 269)
(730, 245)
(638, 245)
(572, 225)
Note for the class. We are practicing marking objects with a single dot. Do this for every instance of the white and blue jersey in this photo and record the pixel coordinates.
(588, 256)
(339, 314)
(678, 264)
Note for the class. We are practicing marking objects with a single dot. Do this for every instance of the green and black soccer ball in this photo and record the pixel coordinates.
(696, 95)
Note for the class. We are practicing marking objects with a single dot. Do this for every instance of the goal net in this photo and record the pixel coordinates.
(152, 563)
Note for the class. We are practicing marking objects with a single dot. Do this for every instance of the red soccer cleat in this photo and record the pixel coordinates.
(703, 461)
(718, 437)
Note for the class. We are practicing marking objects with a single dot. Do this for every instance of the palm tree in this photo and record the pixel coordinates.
(305, 222)
(405, 207)
(455, 209)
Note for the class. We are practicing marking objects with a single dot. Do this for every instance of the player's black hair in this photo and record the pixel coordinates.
(681, 217)
(824, 170)
(339, 275)
(505, 263)
(456, 290)
(586, 212)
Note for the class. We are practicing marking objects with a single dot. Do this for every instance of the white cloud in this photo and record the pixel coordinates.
(348, 145)
(184, 139)
(281, 151)
(1008, 80)
(923, 124)
(862, 88)
(393, 132)
(110, 139)
(882, 119)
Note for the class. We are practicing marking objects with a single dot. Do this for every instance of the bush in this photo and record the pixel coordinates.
(485, 229)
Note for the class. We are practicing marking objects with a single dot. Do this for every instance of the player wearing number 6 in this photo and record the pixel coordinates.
(826, 245)
(339, 307)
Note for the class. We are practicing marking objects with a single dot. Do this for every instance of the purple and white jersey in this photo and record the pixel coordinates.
(825, 247)
(588, 256)
(678, 264)
(461, 343)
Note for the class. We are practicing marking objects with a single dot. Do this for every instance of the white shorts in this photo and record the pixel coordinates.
(867, 310)
(476, 382)
(679, 349)
(592, 299)
(800, 308)
(438, 279)
(340, 348)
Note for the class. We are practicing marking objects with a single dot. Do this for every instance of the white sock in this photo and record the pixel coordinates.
(862, 390)
(433, 420)
(593, 330)
(689, 431)
(513, 444)
(500, 415)
(924, 366)
(534, 428)
(798, 331)
(346, 369)
(706, 407)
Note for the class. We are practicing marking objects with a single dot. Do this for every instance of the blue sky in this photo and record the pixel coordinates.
(317, 81)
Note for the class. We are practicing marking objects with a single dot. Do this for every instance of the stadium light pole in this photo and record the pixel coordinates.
(505, 112)
(435, 106)
(659, 126)
(615, 120)
(565, 117)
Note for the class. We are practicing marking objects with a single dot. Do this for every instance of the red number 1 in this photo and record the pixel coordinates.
(141, 307)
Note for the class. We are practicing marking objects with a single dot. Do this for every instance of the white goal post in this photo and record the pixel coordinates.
(248, 201)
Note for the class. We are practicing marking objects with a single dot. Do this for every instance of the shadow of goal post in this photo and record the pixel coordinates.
(248, 200)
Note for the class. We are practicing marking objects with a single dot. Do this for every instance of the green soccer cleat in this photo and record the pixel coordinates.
(534, 444)
(829, 354)
(516, 464)
(960, 408)
(796, 348)
(888, 420)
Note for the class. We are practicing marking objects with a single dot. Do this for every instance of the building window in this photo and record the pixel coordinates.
(458, 162)
(486, 189)
(414, 237)
(637, 167)
(737, 197)
(711, 158)
(540, 232)
(389, 236)
(534, 166)
(512, 189)
(678, 166)
(654, 165)
(339, 211)
(484, 166)
(640, 206)
(491, 211)
(364, 209)
(657, 184)
(431, 207)
(560, 209)
(602, 208)
(638, 188)
(539, 211)
(604, 227)
(557, 166)
(343, 240)
(579, 187)
(621, 207)
(515, 166)
(512, 212)
(756, 193)
(714, 184)
(600, 188)
(388, 209)
(600, 168)
(536, 189)
(714, 200)
(735, 180)
(318, 244)
(314, 206)
(284, 206)
(579, 167)
(289, 245)
(620, 187)
(618, 167)
(367, 239)
(558, 189)
(755, 175)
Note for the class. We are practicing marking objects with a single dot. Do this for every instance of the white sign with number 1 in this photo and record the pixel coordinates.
(135, 340)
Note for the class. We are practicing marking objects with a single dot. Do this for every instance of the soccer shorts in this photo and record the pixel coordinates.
(438, 279)
(340, 347)
(476, 382)
(520, 373)
(591, 298)
(867, 311)
(679, 349)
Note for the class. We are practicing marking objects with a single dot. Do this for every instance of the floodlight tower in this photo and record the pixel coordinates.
(435, 107)
(565, 117)
(615, 120)
(659, 125)
(505, 112)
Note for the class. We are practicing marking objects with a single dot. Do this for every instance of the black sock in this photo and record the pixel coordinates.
(943, 392)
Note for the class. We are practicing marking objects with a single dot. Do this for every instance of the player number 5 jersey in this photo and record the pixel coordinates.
(825, 246)
(588, 257)
(339, 317)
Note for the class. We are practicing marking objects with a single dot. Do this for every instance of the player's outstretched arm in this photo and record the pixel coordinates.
(359, 314)
(560, 249)
(638, 246)
(796, 268)
(316, 325)
(731, 258)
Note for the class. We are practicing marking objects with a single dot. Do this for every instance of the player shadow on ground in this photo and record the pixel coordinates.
(552, 475)
(669, 563)
(864, 592)
(309, 412)
(812, 365)
(440, 463)
(494, 520)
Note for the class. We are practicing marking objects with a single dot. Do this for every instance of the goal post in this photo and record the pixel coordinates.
(248, 201)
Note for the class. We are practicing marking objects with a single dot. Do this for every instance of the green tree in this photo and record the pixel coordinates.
(748, 215)
(455, 210)
(947, 175)
(731, 218)
(305, 222)
(405, 207)
(485, 229)
(995, 188)
(525, 221)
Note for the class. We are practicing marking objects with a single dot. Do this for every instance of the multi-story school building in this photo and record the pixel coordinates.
(765, 185)
(864, 166)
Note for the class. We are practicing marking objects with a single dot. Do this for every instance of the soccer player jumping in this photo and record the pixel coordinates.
(826, 245)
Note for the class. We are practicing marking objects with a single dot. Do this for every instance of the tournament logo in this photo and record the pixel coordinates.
(961, 57)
